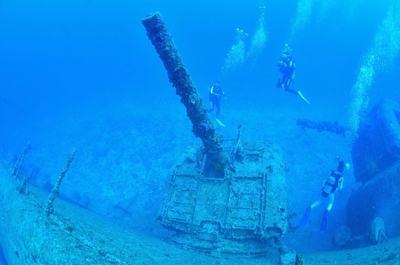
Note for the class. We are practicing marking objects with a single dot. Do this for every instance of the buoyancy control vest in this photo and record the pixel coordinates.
(332, 182)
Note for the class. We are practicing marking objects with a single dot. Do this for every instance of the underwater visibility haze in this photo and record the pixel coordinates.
(84, 75)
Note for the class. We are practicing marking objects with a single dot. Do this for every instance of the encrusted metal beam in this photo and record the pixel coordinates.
(180, 78)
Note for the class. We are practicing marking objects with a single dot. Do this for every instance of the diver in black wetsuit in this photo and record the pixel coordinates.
(216, 94)
(287, 69)
(333, 183)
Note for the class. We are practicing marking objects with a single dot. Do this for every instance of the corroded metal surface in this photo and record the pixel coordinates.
(235, 214)
(377, 146)
(179, 76)
(376, 159)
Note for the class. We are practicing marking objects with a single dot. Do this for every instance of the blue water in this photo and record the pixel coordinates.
(64, 56)
(83, 74)
(3, 260)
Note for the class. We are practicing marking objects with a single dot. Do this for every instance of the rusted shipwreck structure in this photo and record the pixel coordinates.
(376, 159)
(222, 198)
(234, 214)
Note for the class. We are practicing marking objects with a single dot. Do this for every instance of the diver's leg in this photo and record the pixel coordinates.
(304, 218)
(218, 107)
(324, 222)
(287, 87)
(315, 204)
(331, 198)
(211, 106)
(280, 82)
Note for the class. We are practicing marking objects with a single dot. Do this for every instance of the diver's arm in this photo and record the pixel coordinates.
(341, 180)
(293, 66)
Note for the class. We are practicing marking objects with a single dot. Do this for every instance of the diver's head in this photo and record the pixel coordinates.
(286, 49)
(343, 166)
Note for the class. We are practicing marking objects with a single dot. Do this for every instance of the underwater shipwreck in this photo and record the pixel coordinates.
(373, 208)
(222, 202)
(225, 198)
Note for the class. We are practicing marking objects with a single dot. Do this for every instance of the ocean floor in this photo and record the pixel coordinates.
(74, 235)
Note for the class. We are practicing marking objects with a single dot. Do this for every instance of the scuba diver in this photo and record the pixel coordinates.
(287, 69)
(333, 183)
(216, 94)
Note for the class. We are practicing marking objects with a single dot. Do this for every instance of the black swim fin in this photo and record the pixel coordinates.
(304, 219)
(324, 222)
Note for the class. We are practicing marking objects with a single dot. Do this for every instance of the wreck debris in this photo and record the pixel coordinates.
(55, 190)
(237, 144)
(342, 236)
(378, 233)
(23, 188)
(20, 160)
(321, 126)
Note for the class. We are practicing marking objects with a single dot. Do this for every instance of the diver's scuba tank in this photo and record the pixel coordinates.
(328, 184)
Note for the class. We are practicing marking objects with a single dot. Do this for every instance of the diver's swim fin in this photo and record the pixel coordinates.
(324, 222)
(301, 95)
(220, 123)
(304, 219)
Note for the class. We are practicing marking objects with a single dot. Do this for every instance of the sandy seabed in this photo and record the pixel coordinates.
(73, 235)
